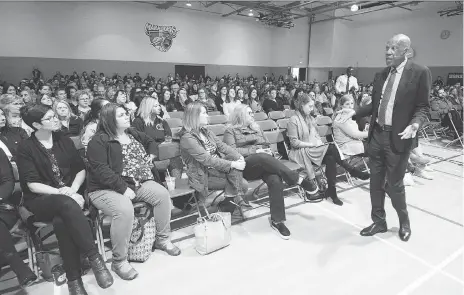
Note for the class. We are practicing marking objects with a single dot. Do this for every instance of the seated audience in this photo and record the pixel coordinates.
(45, 99)
(8, 218)
(345, 130)
(83, 103)
(206, 101)
(121, 98)
(307, 147)
(10, 137)
(91, 121)
(71, 125)
(148, 121)
(120, 160)
(248, 139)
(254, 102)
(51, 174)
(271, 104)
(221, 98)
(230, 103)
(206, 169)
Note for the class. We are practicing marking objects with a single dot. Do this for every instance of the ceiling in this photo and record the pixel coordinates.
(284, 13)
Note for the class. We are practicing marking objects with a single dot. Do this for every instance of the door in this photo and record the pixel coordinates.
(194, 71)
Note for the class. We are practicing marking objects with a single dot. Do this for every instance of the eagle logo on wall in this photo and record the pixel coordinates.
(161, 37)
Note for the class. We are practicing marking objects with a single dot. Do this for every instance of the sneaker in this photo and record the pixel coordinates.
(408, 180)
(310, 186)
(281, 229)
(124, 270)
(422, 173)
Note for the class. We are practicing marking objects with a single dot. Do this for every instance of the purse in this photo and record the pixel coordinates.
(212, 232)
(143, 236)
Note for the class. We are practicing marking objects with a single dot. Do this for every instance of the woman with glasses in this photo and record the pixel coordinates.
(209, 103)
(120, 160)
(83, 103)
(248, 139)
(71, 125)
(51, 174)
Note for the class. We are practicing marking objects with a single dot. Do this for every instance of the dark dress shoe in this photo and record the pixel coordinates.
(76, 287)
(373, 229)
(101, 272)
(27, 280)
(404, 233)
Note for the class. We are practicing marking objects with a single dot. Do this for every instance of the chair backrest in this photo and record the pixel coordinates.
(267, 125)
(260, 116)
(217, 119)
(289, 113)
(214, 113)
(218, 130)
(282, 123)
(275, 136)
(323, 120)
(77, 142)
(168, 151)
(174, 122)
(324, 130)
(286, 107)
(179, 115)
(276, 115)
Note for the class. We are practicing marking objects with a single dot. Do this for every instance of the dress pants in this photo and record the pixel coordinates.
(387, 170)
(272, 172)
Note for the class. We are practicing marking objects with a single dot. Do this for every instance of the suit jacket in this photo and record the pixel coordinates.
(411, 103)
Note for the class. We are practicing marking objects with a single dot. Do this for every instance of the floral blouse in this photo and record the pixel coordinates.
(137, 163)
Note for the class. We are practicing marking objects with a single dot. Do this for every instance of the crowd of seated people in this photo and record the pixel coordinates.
(122, 120)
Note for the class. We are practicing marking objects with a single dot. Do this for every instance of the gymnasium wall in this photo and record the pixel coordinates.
(110, 37)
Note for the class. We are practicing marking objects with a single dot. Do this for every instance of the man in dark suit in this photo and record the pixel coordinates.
(399, 107)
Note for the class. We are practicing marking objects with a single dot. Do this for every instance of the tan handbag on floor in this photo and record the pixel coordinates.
(212, 232)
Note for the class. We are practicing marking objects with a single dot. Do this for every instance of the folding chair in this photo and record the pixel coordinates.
(275, 137)
(282, 123)
(172, 150)
(288, 113)
(276, 115)
(178, 115)
(174, 122)
(328, 111)
(267, 125)
(214, 113)
(218, 130)
(175, 133)
(459, 136)
(260, 116)
(286, 107)
(218, 119)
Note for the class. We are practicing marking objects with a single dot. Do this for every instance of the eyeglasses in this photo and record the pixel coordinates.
(49, 119)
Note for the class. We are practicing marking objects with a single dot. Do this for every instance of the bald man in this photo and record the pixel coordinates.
(399, 107)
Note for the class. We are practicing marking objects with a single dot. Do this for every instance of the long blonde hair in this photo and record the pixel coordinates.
(191, 118)
(145, 111)
(238, 116)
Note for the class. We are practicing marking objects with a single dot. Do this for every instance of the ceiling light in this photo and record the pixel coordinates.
(188, 4)
(354, 7)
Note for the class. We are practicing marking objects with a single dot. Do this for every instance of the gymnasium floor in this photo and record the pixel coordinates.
(325, 255)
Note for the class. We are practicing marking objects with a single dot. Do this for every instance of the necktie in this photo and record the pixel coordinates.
(386, 97)
(348, 84)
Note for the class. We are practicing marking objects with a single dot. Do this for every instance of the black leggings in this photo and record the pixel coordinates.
(331, 159)
(271, 171)
(9, 254)
(71, 227)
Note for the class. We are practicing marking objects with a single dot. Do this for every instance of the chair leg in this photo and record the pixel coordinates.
(100, 240)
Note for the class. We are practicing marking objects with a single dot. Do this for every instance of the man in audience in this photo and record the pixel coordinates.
(346, 83)
(271, 104)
